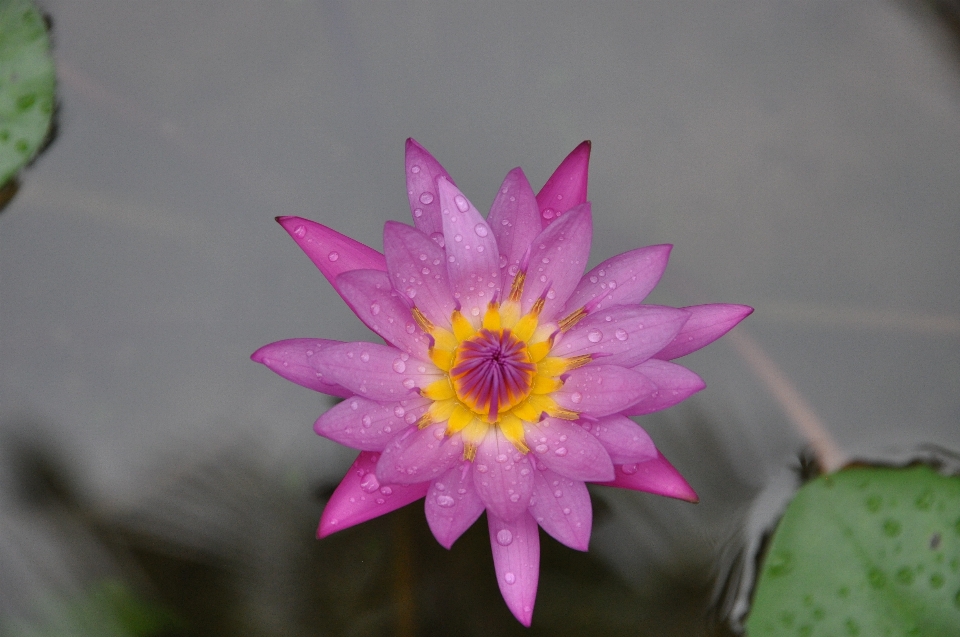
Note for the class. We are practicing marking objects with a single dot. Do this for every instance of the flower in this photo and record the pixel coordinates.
(508, 375)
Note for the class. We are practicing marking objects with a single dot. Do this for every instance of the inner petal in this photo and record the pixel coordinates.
(492, 372)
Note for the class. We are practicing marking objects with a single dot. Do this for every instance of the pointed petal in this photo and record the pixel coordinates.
(515, 221)
(624, 440)
(422, 174)
(674, 384)
(625, 279)
(625, 335)
(567, 186)
(601, 390)
(452, 504)
(472, 256)
(562, 507)
(502, 476)
(654, 476)
(369, 425)
(706, 324)
(294, 360)
(566, 448)
(516, 560)
(418, 271)
(419, 455)
(558, 259)
(361, 497)
(374, 301)
(332, 252)
(377, 372)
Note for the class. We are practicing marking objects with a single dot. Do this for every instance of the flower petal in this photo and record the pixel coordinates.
(502, 476)
(472, 254)
(707, 323)
(624, 440)
(422, 174)
(361, 497)
(654, 476)
(377, 304)
(567, 186)
(418, 271)
(562, 507)
(674, 384)
(294, 360)
(557, 261)
(377, 372)
(601, 390)
(332, 252)
(419, 455)
(624, 335)
(452, 504)
(516, 560)
(515, 221)
(369, 425)
(566, 448)
(625, 279)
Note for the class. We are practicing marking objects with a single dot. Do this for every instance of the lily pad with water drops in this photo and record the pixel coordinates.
(27, 83)
(865, 551)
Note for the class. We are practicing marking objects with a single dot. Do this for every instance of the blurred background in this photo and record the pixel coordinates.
(803, 157)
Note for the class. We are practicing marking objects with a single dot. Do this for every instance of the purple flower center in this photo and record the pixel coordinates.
(492, 372)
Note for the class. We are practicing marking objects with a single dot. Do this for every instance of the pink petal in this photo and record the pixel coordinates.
(422, 174)
(377, 372)
(502, 476)
(625, 335)
(707, 323)
(567, 186)
(601, 390)
(654, 476)
(332, 252)
(625, 279)
(361, 497)
(369, 425)
(419, 455)
(516, 560)
(624, 440)
(294, 360)
(515, 221)
(375, 302)
(674, 384)
(472, 255)
(557, 261)
(418, 271)
(452, 504)
(562, 507)
(566, 448)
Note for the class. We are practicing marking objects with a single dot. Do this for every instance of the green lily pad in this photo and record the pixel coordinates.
(27, 82)
(865, 551)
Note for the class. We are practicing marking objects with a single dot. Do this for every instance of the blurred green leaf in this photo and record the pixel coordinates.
(864, 551)
(27, 82)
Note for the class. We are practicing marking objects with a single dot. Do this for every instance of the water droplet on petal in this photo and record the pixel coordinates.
(561, 451)
(366, 420)
(426, 198)
(398, 411)
(481, 229)
(504, 537)
(630, 469)
(415, 169)
(462, 204)
(418, 212)
(621, 334)
(300, 231)
(482, 468)
(509, 578)
(458, 238)
(354, 404)
(386, 490)
(576, 398)
(365, 357)
(445, 501)
(333, 256)
(541, 448)
(369, 483)
(374, 308)
(411, 292)
(409, 383)
(594, 336)
(549, 213)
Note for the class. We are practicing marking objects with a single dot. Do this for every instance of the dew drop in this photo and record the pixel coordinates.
(374, 308)
(503, 261)
(366, 420)
(501, 457)
(621, 334)
(300, 231)
(369, 483)
(437, 238)
(386, 490)
(542, 448)
(630, 469)
(445, 501)
(475, 311)
(418, 212)
(399, 411)
(411, 328)
(354, 404)
(558, 493)
(365, 357)
(551, 294)
(482, 468)
(576, 398)
(462, 204)
(481, 229)
(409, 383)
(504, 537)
(426, 198)
(509, 578)
(333, 256)
(594, 336)
(593, 279)
(560, 451)
(549, 213)
(415, 169)
(411, 292)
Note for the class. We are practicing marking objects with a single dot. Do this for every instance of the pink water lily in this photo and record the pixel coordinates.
(507, 375)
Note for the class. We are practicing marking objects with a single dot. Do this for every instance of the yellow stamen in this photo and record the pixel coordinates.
(491, 320)
(469, 452)
(439, 390)
(422, 320)
(512, 428)
(572, 319)
(516, 290)
(442, 358)
(460, 418)
(546, 385)
(462, 328)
